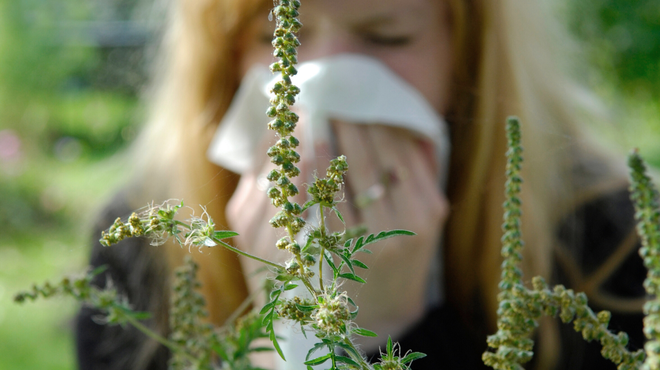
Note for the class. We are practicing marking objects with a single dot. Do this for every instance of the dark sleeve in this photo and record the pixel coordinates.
(598, 254)
(138, 271)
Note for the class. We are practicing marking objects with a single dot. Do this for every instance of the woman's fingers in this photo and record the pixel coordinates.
(412, 178)
(363, 179)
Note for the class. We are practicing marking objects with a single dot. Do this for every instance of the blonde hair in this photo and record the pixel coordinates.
(504, 65)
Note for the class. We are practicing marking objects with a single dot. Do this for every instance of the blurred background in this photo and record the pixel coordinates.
(71, 75)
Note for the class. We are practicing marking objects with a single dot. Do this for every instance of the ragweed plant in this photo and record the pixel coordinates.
(521, 307)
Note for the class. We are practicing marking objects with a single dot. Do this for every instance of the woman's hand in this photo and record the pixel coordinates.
(395, 293)
(382, 158)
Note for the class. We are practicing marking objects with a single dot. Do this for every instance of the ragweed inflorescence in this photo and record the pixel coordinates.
(520, 308)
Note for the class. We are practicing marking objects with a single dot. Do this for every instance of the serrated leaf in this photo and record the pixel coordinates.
(318, 360)
(364, 332)
(386, 235)
(360, 264)
(353, 277)
(412, 357)
(224, 234)
(346, 360)
(358, 245)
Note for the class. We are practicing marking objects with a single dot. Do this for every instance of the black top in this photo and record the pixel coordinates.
(597, 254)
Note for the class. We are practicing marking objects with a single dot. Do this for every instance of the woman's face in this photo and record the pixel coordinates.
(412, 37)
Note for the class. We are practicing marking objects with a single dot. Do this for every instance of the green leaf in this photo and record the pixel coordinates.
(364, 332)
(347, 243)
(140, 315)
(308, 204)
(331, 263)
(267, 307)
(224, 234)
(353, 277)
(261, 349)
(360, 264)
(358, 244)
(347, 360)
(385, 235)
(412, 357)
(307, 244)
(389, 345)
(276, 345)
(98, 270)
(284, 277)
(302, 329)
(347, 348)
(303, 308)
(339, 216)
(315, 348)
(217, 348)
(290, 286)
(347, 261)
(318, 360)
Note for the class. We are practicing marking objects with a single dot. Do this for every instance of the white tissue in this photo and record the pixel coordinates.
(351, 88)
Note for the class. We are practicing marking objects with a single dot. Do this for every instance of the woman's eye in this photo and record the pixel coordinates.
(381, 40)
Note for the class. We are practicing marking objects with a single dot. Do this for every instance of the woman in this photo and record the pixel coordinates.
(475, 62)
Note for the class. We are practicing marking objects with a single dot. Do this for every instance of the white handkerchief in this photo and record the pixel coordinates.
(348, 87)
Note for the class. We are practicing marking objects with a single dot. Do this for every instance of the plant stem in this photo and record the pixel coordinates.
(151, 334)
(242, 253)
(322, 228)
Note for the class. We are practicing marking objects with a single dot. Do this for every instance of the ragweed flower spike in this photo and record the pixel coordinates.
(520, 308)
(283, 121)
(644, 196)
